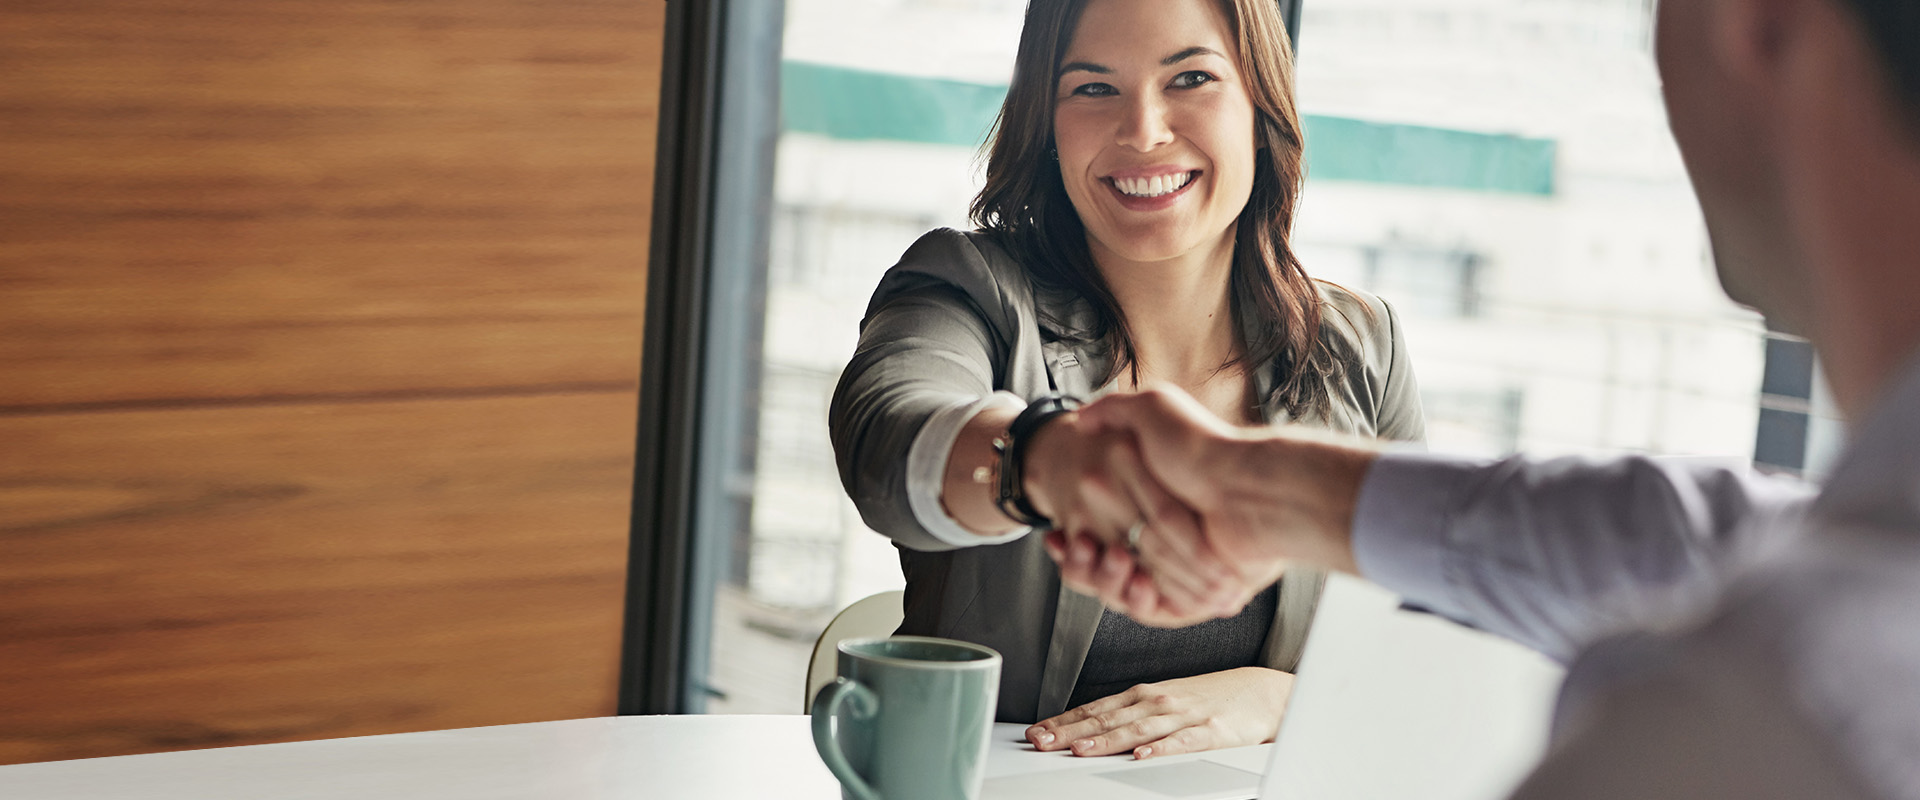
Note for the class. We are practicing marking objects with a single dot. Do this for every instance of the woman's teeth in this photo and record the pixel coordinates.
(1154, 186)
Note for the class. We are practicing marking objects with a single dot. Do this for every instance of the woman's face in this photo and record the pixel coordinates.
(1154, 128)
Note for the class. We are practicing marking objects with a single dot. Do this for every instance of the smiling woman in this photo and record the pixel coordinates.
(1141, 182)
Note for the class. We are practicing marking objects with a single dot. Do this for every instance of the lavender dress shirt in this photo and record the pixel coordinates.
(1728, 635)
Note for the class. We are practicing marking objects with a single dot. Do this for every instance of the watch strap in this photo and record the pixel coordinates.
(1011, 495)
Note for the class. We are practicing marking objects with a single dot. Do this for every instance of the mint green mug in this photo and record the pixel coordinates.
(908, 717)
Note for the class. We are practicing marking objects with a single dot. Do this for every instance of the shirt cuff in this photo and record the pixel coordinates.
(1402, 522)
(927, 470)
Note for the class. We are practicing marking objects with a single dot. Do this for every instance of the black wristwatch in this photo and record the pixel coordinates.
(1012, 447)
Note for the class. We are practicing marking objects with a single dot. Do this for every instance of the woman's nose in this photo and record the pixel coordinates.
(1145, 125)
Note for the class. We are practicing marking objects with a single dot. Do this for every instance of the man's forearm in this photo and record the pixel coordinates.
(1545, 552)
(1305, 490)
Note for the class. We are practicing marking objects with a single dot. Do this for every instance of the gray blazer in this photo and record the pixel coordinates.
(958, 319)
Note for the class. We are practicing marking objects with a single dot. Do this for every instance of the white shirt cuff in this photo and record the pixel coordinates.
(1401, 526)
(927, 470)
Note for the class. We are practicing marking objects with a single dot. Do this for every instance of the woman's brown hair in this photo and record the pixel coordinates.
(1025, 204)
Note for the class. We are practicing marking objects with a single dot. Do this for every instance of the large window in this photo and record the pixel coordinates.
(1499, 170)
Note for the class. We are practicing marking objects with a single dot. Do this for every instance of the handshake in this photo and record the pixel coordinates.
(1171, 516)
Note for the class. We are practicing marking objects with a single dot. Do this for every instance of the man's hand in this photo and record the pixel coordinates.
(1262, 497)
(1205, 712)
(1094, 487)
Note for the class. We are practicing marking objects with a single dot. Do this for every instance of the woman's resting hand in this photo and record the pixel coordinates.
(1205, 712)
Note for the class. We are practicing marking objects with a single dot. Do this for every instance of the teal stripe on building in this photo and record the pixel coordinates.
(1415, 155)
(853, 104)
(859, 105)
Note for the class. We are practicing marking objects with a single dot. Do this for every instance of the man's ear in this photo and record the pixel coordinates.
(1751, 38)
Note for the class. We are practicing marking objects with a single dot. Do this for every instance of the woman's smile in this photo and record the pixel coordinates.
(1143, 190)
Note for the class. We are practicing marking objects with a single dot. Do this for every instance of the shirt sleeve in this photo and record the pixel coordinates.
(1554, 553)
(927, 471)
(937, 334)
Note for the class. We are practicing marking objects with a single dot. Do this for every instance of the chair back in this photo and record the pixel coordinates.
(873, 615)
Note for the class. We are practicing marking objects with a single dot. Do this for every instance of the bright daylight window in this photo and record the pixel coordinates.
(1499, 170)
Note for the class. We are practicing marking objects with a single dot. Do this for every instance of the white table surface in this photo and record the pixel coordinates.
(1401, 706)
(584, 759)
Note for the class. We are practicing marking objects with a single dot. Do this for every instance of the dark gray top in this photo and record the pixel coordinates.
(958, 319)
(1125, 653)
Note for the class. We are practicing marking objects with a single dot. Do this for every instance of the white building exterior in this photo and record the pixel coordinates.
(1582, 321)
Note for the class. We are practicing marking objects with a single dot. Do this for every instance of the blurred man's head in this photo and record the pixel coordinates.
(1893, 27)
(1797, 120)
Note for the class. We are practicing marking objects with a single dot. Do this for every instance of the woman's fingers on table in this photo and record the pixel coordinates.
(1077, 727)
(1191, 739)
(1204, 712)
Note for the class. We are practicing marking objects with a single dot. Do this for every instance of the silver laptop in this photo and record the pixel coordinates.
(1389, 703)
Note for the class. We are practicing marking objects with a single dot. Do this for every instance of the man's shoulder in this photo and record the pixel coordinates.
(1813, 649)
(1649, 715)
(1837, 609)
(1834, 606)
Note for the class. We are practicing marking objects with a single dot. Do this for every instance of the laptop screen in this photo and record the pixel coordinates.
(1392, 703)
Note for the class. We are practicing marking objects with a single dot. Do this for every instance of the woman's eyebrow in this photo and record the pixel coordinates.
(1102, 69)
(1188, 53)
(1166, 62)
(1085, 66)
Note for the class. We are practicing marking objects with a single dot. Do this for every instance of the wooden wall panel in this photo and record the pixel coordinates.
(211, 576)
(319, 344)
(377, 183)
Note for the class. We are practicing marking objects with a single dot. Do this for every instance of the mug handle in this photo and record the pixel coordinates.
(860, 702)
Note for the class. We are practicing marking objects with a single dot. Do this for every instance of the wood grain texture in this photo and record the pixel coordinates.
(215, 198)
(186, 578)
(319, 348)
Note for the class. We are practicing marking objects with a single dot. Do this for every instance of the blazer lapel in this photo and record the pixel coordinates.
(1075, 618)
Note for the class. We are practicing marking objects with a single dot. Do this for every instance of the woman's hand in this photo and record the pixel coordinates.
(1073, 475)
(1262, 499)
(1094, 488)
(1205, 712)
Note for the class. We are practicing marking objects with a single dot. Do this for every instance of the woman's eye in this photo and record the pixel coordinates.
(1188, 80)
(1093, 90)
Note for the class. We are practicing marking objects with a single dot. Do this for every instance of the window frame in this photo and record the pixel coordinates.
(718, 116)
(718, 123)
